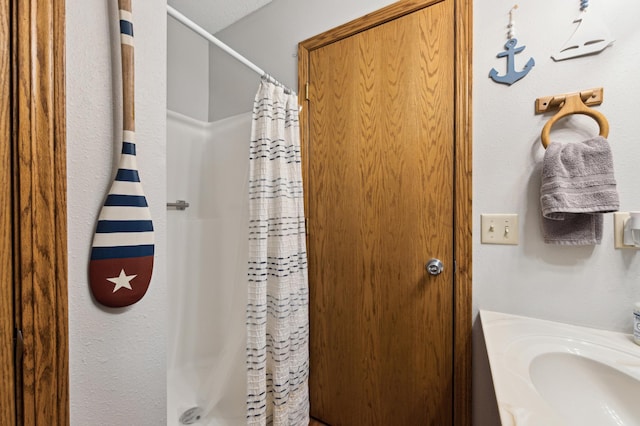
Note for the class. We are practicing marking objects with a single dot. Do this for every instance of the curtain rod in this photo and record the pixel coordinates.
(226, 48)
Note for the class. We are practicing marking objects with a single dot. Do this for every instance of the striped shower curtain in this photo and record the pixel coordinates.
(277, 309)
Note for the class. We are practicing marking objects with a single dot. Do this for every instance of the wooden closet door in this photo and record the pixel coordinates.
(380, 205)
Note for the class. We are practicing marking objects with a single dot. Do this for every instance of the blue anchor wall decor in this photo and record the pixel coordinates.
(512, 75)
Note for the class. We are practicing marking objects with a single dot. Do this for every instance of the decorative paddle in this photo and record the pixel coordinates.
(123, 244)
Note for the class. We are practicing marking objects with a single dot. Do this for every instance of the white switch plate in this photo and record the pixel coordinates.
(618, 230)
(499, 229)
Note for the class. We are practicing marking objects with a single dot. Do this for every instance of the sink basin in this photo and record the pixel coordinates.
(547, 373)
(584, 391)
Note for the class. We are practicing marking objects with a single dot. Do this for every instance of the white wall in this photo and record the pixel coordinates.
(592, 286)
(187, 71)
(269, 38)
(117, 357)
(596, 285)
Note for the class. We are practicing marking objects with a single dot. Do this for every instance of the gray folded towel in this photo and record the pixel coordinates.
(578, 185)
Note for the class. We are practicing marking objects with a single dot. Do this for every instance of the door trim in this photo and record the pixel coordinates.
(7, 326)
(461, 392)
(39, 209)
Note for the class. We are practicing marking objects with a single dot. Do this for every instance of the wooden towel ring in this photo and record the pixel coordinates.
(573, 104)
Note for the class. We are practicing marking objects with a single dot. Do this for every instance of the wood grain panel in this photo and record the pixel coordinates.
(60, 205)
(303, 117)
(380, 187)
(7, 374)
(391, 12)
(463, 175)
(40, 203)
(463, 214)
(22, 201)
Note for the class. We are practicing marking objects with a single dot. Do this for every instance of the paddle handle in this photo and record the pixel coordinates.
(126, 50)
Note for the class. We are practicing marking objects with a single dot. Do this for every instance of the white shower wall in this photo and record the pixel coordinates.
(207, 166)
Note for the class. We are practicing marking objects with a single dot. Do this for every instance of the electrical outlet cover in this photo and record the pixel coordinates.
(618, 230)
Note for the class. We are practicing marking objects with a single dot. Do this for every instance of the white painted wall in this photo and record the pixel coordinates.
(216, 15)
(592, 286)
(269, 38)
(187, 71)
(117, 357)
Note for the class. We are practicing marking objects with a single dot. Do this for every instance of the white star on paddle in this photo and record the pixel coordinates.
(122, 281)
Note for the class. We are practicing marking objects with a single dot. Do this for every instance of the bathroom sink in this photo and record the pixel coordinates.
(554, 374)
(585, 391)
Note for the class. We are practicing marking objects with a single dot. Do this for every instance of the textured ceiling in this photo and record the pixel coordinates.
(214, 15)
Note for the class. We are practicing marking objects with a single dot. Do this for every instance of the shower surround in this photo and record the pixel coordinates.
(207, 165)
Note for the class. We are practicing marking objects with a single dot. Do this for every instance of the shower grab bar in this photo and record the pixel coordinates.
(179, 205)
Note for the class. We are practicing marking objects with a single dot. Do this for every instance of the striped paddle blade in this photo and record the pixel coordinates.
(123, 244)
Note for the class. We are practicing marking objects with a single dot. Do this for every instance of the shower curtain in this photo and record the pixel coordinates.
(277, 307)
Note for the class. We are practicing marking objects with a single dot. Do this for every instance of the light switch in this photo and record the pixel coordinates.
(499, 229)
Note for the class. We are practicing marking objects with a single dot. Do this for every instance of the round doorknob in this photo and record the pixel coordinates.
(434, 266)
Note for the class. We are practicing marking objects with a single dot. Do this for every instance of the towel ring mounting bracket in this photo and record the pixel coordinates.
(589, 97)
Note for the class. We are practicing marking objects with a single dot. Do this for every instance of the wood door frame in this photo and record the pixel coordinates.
(461, 394)
(39, 210)
(7, 367)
